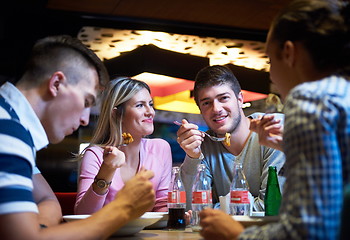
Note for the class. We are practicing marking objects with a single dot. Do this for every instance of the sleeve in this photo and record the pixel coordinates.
(16, 188)
(312, 198)
(165, 171)
(16, 168)
(88, 201)
(36, 170)
(188, 172)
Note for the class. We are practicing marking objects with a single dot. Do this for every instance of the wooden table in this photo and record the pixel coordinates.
(188, 234)
(162, 234)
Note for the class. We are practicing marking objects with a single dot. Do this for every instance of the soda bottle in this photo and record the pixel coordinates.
(176, 202)
(273, 195)
(239, 192)
(201, 196)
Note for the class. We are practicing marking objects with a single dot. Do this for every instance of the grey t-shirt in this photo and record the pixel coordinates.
(219, 163)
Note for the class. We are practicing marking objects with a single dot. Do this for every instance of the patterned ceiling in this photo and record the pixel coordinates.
(109, 43)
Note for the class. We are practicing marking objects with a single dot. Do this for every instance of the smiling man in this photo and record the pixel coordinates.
(219, 98)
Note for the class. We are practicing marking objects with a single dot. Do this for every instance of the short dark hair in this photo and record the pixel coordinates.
(53, 53)
(213, 76)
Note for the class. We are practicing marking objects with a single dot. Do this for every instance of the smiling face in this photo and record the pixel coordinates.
(139, 114)
(220, 108)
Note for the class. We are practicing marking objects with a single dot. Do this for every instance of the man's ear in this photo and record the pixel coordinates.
(240, 99)
(55, 82)
(289, 53)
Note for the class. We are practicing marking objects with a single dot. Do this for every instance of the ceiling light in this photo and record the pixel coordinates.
(162, 85)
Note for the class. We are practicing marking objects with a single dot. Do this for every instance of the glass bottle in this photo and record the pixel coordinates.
(273, 195)
(176, 202)
(201, 196)
(239, 192)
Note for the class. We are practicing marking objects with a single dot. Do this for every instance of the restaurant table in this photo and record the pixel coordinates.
(188, 234)
(161, 234)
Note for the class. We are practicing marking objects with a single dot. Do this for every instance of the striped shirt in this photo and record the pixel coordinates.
(317, 149)
(21, 136)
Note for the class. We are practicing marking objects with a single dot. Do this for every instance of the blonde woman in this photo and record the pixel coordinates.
(107, 164)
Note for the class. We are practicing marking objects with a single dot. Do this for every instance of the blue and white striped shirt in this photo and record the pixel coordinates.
(21, 136)
(317, 149)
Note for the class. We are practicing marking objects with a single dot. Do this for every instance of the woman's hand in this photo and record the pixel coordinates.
(270, 131)
(113, 157)
(218, 225)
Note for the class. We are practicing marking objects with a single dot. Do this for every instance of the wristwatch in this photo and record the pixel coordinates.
(101, 183)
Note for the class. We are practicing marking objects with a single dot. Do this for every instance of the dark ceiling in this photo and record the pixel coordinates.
(24, 21)
(245, 16)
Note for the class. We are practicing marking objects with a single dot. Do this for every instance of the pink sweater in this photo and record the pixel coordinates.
(155, 155)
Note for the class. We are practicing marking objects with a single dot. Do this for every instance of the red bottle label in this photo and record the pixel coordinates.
(177, 197)
(201, 197)
(239, 197)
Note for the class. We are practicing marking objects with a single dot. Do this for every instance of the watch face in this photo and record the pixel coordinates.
(101, 183)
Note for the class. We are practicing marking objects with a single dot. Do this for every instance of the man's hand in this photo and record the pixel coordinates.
(190, 139)
(218, 225)
(138, 194)
(270, 131)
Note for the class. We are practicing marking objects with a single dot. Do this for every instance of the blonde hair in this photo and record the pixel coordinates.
(109, 125)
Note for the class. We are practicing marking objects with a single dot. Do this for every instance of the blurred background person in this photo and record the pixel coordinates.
(309, 48)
